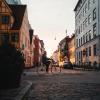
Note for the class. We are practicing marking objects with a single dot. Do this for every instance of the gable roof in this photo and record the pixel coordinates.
(66, 39)
(18, 12)
(4, 1)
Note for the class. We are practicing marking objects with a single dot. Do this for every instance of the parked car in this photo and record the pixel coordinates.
(67, 65)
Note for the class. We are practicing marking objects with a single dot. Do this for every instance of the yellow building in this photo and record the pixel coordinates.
(71, 45)
(60, 57)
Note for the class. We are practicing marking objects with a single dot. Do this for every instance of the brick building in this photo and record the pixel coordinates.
(14, 27)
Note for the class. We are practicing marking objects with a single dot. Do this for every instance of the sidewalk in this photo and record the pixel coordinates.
(41, 70)
(33, 71)
(16, 94)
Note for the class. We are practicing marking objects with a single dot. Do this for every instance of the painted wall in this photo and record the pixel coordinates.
(82, 28)
(72, 50)
(25, 39)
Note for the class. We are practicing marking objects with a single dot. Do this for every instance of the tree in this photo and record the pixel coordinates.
(11, 66)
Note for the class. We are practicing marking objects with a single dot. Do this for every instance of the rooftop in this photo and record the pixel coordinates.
(18, 13)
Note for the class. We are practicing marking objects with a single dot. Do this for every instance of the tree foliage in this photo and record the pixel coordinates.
(11, 66)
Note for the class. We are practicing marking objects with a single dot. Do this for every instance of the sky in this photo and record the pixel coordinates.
(50, 20)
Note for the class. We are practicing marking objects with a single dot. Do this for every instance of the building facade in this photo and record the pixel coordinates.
(25, 38)
(6, 23)
(13, 1)
(37, 50)
(31, 31)
(55, 56)
(87, 32)
(71, 46)
(14, 28)
(63, 50)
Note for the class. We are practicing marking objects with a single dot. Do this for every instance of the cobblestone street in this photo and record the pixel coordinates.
(67, 85)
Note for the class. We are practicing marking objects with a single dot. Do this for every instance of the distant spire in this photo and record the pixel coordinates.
(66, 32)
(55, 38)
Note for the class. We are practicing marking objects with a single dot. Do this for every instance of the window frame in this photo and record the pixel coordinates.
(90, 51)
(14, 37)
(94, 14)
(89, 35)
(89, 19)
(95, 50)
(4, 37)
(5, 19)
(89, 4)
(94, 29)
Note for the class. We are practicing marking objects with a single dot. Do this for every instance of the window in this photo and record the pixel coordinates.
(89, 4)
(86, 52)
(86, 37)
(76, 33)
(89, 51)
(86, 8)
(89, 19)
(94, 30)
(94, 50)
(89, 35)
(4, 38)
(76, 22)
(86, 22)
(81, 40)
(83, 25)
(83, 12)
(14, 37)
(79, 17)
(81, 28)
(77, 42)
(5, 19)
(79, 54)
(94, 14)
(94, 1)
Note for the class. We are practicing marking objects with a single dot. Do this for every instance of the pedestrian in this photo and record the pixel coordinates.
(46, 61)
(60, 65)
(37, 66)
(52, 65)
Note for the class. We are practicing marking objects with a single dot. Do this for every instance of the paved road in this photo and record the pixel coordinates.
(67, 85)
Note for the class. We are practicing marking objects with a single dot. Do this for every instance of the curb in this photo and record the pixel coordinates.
(16, 94)
(24, 91)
